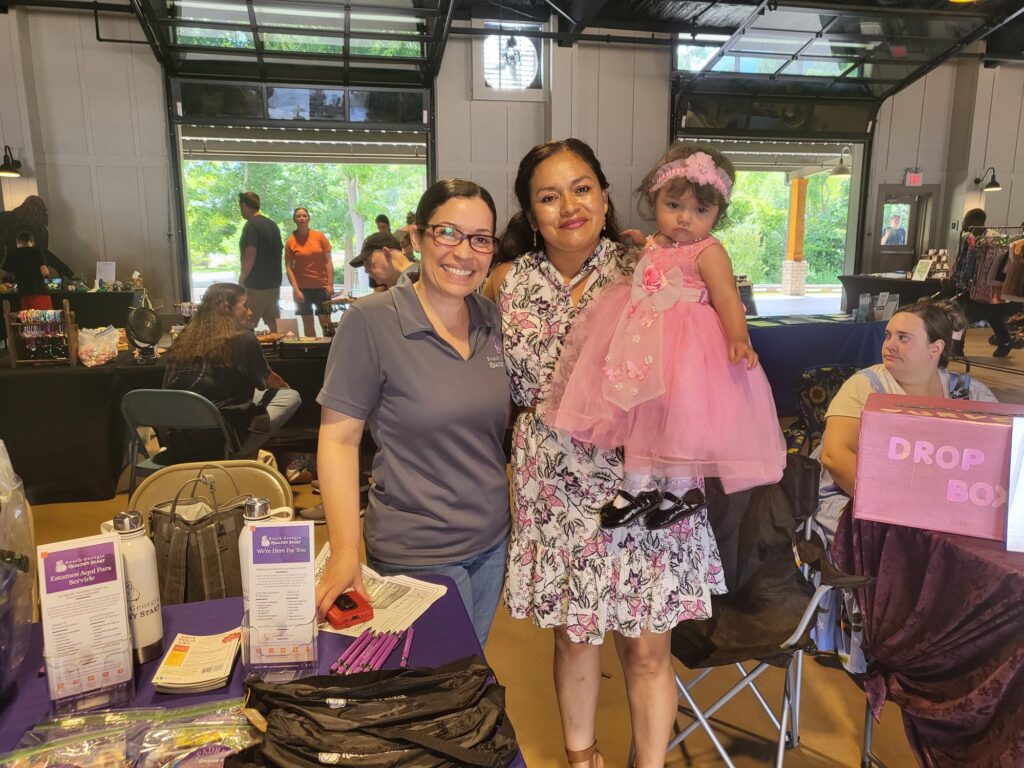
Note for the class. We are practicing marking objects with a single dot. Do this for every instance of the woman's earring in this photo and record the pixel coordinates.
(535, 239)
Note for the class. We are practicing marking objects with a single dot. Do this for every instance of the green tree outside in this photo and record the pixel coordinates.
(754, 231)
(343, 200)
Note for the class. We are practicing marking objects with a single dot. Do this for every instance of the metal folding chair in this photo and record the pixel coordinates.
(771, 604)
(169, 409)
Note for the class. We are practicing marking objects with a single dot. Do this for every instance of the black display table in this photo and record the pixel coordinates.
(909, 290)
(64, 431)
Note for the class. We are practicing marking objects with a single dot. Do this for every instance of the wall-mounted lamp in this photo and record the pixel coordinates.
(993, 185)
(11, 167)
(842, 169)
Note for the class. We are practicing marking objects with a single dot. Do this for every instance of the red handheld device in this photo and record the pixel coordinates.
(348, 610)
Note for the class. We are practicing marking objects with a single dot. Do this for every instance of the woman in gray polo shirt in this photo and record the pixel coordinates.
(422, 365)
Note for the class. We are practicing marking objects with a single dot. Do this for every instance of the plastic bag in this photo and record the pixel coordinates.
(99, 749)
(135, 721)
(17, 571)
(97, 346)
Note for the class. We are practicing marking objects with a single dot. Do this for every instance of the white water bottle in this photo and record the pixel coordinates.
(256, 511)
(142, 585)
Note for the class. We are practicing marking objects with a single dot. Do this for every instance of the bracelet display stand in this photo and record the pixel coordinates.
(41, 342)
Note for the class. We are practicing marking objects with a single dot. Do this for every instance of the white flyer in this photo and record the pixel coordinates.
(1015, 502)
(86, 637)
(282, 591)
(397, 600)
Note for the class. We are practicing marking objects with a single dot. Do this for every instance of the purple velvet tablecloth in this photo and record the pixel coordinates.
(443, 634)
(944, 638)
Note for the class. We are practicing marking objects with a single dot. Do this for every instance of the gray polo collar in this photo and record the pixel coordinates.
(413, 319)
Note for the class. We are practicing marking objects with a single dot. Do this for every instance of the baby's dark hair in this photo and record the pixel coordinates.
(680, 185)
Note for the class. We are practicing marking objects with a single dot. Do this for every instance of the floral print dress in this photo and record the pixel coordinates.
(563, 568)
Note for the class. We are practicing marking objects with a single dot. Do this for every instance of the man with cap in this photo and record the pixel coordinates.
(384, 261)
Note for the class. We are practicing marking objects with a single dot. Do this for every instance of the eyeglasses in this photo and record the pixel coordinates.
(447, 235)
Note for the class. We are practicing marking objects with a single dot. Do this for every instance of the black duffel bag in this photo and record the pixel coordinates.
(452, 715)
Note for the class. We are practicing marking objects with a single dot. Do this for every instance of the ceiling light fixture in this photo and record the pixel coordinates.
(993, 185)
(11, 168)
(841, 168)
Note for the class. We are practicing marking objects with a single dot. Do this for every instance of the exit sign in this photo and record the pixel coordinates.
(913, 179)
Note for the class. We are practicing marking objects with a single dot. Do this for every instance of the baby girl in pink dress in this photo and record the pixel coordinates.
(662, 365)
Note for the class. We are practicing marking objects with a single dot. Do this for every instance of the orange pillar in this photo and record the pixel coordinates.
(795, 227)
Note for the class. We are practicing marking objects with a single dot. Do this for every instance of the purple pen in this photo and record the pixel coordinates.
(385, 653)
(406, 650)
(352, 649)
(384, 643)
(355, 664)
(357, 651)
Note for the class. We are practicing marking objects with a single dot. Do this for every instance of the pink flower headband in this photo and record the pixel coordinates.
(698, 168)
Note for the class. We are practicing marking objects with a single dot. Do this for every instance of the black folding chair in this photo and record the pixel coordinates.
(170, 411)
(770, 606)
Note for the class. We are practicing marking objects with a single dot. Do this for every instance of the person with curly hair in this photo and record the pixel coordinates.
(218, 357)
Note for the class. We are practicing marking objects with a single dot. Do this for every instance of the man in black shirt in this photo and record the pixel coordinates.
(26, 265)
(261, 250)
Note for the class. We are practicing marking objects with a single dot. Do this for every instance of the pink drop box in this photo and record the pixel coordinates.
(942, 465)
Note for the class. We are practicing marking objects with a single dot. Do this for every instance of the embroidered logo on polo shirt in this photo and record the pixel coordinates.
(497, 360)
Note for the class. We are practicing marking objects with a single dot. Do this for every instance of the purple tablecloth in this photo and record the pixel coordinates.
(944, 639)
(443, 634)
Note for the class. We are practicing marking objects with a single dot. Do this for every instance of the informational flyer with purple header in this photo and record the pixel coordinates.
(282, 592)
(85, 615)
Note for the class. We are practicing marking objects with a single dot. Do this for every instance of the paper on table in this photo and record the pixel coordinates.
(1015, 501)
(397, 600)
(198, 663)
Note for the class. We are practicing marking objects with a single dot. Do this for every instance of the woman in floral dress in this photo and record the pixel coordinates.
(564, 570)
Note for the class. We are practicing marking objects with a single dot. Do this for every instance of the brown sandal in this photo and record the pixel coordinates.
(583, 756)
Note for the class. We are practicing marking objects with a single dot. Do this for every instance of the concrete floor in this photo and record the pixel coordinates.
(521, 654)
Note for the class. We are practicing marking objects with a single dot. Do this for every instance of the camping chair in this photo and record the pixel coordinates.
(770, 606)
(818, 385)
(236, 476)
(172, 410)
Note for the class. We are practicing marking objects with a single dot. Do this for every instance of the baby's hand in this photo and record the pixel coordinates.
(741, 350)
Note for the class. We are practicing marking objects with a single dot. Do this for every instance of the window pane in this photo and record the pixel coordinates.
(202, 10)
(268, 15)
(762, 43)
(213, 38)
(221, 100)
(392, 25)
(895, 220)
(750, 65)
(303, 43)
(305, 104)
(385, 107)
(793, 21)
(884, 71)
(692, 58)
(817, 68)
(511, 62)
(385, 48)
(841, 48)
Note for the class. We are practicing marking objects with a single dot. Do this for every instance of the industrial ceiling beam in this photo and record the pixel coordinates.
(581, 14)
(435, 52)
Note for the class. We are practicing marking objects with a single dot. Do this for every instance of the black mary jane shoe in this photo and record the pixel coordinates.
(691, 503)
(640, 504)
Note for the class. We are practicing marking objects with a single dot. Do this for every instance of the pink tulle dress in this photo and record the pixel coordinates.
(646, 367)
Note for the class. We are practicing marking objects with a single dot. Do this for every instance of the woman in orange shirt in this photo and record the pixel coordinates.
(307, 259)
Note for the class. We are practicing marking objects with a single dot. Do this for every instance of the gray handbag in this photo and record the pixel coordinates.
(196, 542)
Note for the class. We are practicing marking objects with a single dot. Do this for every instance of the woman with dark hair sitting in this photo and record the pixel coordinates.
(218, 357)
